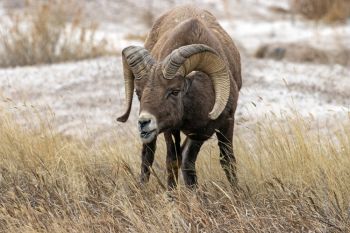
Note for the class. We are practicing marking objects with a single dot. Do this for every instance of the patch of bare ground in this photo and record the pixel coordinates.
(303, 52)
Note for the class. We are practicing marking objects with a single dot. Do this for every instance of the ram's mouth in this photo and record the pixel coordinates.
(147, 136)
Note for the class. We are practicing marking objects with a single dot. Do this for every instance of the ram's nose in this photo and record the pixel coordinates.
(144, 123)
(147, 122)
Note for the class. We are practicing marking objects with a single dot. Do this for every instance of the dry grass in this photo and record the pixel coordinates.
(327, 10)
(292, 180)
(49, 32)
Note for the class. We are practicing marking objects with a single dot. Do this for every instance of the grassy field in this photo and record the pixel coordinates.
(292, 179)
(293, 175)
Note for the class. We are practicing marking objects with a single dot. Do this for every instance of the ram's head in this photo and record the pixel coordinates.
(161, 86)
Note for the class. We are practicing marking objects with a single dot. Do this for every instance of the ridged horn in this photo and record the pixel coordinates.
(199, 57)
(137, 62)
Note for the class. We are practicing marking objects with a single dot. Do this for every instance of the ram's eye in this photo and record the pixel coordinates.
(175, 92)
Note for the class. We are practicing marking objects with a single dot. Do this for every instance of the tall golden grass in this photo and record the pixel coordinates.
(49, 32)
(327, 10)
(292, 179)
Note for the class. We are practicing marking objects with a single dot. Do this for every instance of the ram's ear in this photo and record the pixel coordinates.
(187, 84)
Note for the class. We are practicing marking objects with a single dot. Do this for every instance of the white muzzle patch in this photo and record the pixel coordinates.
(147, 126)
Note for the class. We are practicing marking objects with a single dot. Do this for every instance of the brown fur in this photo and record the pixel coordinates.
(188, 111)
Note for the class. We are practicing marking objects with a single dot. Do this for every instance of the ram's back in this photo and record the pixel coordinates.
(215, 36)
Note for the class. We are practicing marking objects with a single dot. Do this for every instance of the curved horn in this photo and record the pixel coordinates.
(200, 57)
(137, 62)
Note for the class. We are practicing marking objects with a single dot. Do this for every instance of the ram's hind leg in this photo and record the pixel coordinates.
(174, 158)
(147, 157)
(227, 158)
(190, 149)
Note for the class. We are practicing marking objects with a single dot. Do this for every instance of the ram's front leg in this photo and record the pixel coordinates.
(147, 155)
(174, 158)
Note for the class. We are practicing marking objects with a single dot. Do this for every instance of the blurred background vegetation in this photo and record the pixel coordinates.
(50, 31)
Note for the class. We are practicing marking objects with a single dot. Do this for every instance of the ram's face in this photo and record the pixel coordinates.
(161, 105)
(161, 86)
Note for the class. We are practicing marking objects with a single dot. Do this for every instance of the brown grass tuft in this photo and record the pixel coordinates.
(327, 10)
(137, 37)
(49, 32)
(303, 52)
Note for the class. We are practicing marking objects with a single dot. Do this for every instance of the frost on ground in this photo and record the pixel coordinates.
(85, 97)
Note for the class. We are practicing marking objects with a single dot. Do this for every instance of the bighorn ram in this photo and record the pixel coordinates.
(187, 78)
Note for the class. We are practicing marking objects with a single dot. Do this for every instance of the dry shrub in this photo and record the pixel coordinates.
(328, 10)
(303, 52)
(137, 37)
(49, 32)
(292, 180)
